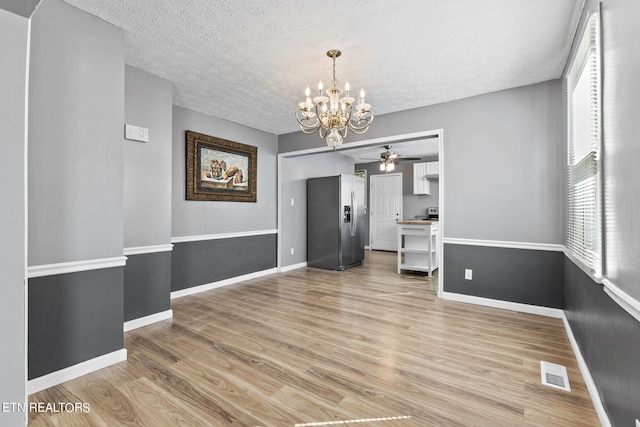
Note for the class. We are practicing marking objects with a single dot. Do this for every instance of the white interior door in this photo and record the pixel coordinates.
(385, 210)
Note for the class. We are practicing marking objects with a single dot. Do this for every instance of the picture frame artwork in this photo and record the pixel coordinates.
(220, 170)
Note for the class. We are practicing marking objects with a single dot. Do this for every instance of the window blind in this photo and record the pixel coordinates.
(584, 211)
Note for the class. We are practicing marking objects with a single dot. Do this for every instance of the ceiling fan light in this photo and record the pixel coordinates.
(382, 167)
(391, 167)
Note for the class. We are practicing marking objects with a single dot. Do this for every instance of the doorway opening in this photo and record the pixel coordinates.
(296, 166)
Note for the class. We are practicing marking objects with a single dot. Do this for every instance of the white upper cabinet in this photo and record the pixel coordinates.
(421, 184)
(433, 169)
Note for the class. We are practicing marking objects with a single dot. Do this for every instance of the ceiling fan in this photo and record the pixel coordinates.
(389, 159)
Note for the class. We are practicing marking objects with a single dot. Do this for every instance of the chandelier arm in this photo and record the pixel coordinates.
(309, 130)
(301, 117)
(360, 129)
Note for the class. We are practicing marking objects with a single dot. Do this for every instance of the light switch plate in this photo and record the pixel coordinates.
(136, 133)
(468, 274)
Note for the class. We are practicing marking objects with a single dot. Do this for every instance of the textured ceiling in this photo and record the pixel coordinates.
(250, 61)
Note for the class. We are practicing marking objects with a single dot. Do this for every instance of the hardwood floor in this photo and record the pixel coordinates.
(315, 347)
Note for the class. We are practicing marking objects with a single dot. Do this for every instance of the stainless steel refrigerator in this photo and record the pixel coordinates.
(335, 222)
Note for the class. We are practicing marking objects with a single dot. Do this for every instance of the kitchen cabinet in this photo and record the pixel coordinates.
(433, 169)
(421, 184)
(418, 246)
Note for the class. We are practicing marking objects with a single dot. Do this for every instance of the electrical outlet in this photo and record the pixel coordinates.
(292, 251)
(468, 274)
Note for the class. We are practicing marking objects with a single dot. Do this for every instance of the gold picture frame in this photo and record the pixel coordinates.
(220, 170)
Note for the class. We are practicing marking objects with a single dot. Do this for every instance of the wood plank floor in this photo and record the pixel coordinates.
(312, 346)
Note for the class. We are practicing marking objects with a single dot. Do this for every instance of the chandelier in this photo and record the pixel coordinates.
(330, 115)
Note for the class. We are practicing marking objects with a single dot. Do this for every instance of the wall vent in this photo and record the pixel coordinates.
(554, 376)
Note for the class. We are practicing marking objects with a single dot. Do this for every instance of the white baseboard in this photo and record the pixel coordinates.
(506, 305)
(586, 376)
(147, 320)
(292, 267)
(225, 282)
(58, 377)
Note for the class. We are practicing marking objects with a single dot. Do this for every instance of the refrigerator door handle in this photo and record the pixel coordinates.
(354, 207)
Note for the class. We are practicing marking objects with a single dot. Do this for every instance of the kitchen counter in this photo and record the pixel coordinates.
(418, 221)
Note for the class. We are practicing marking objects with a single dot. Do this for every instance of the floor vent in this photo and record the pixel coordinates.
(554, 376)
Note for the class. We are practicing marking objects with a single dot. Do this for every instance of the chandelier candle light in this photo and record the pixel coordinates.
(330, 115)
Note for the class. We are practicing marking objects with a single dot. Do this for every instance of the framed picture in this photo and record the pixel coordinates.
(220, 170)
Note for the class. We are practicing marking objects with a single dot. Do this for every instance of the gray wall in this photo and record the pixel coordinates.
(147, 284)
(76, 116)
(609, 340)
(538, 273)
(147, 166)
(73, 318)
(75, 162)
(412, 204)
(147, 193)
(192, 218)
(607, 335)
(13, 66)
(515, 133)
(293, 181)
(208, 261)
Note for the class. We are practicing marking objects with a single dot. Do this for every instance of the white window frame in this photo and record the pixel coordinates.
(584, 168)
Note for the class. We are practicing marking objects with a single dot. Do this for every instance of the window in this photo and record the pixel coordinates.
(584, 242)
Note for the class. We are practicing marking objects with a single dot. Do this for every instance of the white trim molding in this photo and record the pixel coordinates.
(58, 377)
(505, 305)
(589, 272)
(75, 266)
(139, 250)
(147, 320)
(504, 244)
(220, 283)
(183, 239)
(292, 267)
(586, 376)
(367, 142)
(623, 299)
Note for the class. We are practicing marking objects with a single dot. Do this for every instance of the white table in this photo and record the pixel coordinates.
(418, 243)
